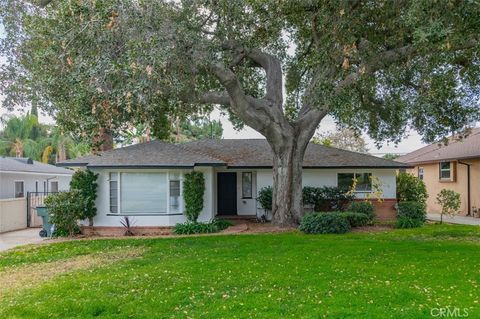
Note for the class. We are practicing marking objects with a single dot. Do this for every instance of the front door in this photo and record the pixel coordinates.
(227, 193)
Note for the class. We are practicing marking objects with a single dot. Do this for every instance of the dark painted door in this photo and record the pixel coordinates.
(227, 193)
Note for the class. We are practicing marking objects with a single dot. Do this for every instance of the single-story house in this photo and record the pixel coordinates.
(454, 166)
(19, 175)
(145, 180)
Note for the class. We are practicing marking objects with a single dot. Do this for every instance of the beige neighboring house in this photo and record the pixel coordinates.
(454, 166)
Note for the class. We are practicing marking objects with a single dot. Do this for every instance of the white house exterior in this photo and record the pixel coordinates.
(21, 175)
(145, 181)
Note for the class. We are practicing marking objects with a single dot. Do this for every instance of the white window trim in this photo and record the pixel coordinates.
(54, 181)
(450, 170)
(421, 169)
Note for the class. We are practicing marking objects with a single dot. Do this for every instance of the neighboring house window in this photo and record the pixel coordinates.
(174, 196)
(19, 191)
(420, 173)
(446, 170)
(247, 185)
(364, 181)
(45, 187)
(113, 193)
(143, 193)
(54, 186)
(36, 186)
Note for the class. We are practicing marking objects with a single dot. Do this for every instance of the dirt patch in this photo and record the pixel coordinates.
(31, 275)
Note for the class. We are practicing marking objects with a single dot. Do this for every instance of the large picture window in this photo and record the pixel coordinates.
(143, 193)
(247, 185)
(364, 181)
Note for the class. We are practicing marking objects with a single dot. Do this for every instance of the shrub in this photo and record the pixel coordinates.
(355, 219)
(408, 222)
(332, 199)
(324, 223)
(363, 207)
(265, 197)
(189, 228)
(411, 189)
(450, 202)
(193, 190)
(412, 210)
(65, 209)
(85, 182)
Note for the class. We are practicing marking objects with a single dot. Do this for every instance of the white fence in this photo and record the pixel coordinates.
(13, 214)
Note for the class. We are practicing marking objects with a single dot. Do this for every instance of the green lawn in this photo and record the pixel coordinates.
(397, 274)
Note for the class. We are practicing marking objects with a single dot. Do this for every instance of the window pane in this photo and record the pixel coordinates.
(445, 174)
(174, 196)
(247, 184)
(364, 182)
(19, 189)
(114, 197)
(445, 165)
(143, 193)
(54, 187)
(345, 180)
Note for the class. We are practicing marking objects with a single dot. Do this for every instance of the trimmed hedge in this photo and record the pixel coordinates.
(189, 228)
(407, 222)
(324, 223)
(414, 210)
(363, 207)
(410, 214)
(355, 219)
(193, 191)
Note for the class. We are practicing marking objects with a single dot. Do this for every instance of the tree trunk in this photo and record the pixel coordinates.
(287, 205)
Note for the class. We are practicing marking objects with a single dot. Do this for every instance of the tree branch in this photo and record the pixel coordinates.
(220, 98)
(269, 63)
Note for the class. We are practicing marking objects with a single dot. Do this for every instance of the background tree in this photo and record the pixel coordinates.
(345, 139)
(391, 156)
(450, 202)
(383, 67)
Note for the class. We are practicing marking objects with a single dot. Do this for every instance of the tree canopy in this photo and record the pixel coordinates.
(277, 66)
(345, 139)
(379, 65)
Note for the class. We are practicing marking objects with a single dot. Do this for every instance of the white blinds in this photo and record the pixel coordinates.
(143, 192)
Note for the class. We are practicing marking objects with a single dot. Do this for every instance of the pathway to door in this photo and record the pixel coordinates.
(19, 238)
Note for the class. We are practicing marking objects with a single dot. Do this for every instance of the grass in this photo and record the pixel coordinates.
(396, 274)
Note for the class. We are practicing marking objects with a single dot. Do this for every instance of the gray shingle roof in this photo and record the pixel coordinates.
(13, 164)
(150, 154)
(232, 152)
(468, 147)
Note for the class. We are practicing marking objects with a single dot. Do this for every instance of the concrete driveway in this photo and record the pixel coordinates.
(462, 220)
(19, 238)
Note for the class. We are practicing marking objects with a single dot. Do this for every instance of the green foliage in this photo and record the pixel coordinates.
(189, 228)
(265, 197)
(411, 188)
(363, 207)
(324, 223)
(355, 219)
(65, 209)
(193, 190)
(410, 214)
(408, 222)
(450, 202)
(132, 64)
(85, 182)
(199, 128)
(327, 199)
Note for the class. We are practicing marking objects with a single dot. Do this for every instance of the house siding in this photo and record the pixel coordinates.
(7, 182)
(458, 184)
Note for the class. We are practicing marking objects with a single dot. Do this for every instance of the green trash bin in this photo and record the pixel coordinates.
(47, 227)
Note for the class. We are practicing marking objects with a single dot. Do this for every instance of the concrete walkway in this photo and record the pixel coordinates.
(462, 220)
(19, 238)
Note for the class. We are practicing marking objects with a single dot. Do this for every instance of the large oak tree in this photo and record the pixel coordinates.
(277, 66)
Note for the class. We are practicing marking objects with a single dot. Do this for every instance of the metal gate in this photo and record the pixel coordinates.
(35, 199)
